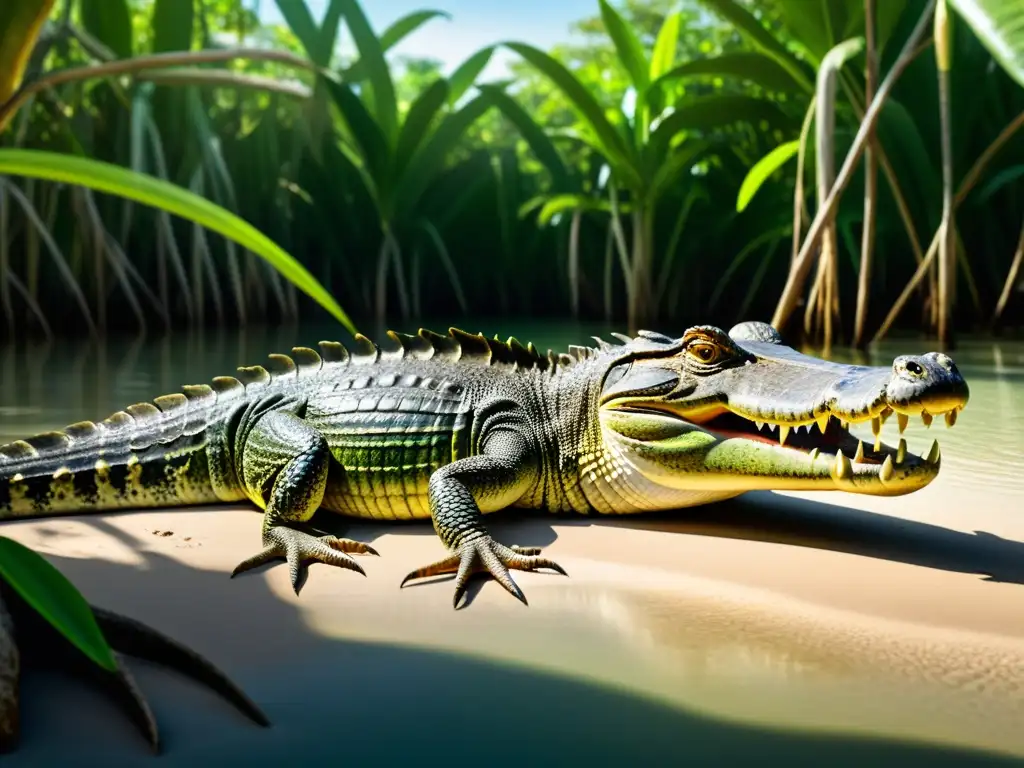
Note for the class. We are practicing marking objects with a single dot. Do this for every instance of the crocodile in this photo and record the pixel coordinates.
(452, 427)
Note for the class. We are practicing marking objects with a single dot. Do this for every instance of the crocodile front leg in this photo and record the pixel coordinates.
(284, 463)
(458, 494)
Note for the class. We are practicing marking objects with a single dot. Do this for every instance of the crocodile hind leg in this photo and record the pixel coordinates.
(459, 491)
(284, 463)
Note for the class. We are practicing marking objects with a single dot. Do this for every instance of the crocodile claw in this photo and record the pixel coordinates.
(484, 555)
(19, 623)
(297, 546)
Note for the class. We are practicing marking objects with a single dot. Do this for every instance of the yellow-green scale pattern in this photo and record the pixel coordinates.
(159, 476)
(386, 442)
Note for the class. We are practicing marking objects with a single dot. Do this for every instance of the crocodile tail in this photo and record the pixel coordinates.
(149, 455)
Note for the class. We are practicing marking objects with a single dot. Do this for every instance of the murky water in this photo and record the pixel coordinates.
(853, 616)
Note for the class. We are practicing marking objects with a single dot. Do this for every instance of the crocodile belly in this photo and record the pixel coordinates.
(383, 456)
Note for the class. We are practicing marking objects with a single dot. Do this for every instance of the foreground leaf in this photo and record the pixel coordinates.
(54, 598)
(104, 177)
(20, 22)
(999, 25)
(763, 169)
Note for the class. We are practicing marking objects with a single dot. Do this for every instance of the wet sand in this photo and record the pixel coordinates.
(826, 627)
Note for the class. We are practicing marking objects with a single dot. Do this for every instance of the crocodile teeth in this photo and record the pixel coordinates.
(843, 468)
(876, 426)
(951, 417)
(926, 418)
(884, 415)
(901, 452)
(933, 453)
(878, 443)
(822, 422)
(759, 425)
(903, 420)
(783, 434)
(887, 471)
(858, 457)
(814, 453)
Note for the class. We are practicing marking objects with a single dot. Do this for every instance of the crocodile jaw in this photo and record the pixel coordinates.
(673, 453)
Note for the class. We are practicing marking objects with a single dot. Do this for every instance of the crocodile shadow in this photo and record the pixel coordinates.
(756, 516)
(774, 518)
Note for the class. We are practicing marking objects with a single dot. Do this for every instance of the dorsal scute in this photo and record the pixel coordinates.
(81, 430)
(395, 350)
(333, 353)
(364, 351)
(49, 442)
(18, 450)
(281, 367)
(307, 361)
(473, 348)
(200, 398)
(227, 387)
(445, 347)
(501, 352)
(253, 376)
(416, 346)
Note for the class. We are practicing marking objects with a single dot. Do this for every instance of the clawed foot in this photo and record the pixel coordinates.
(22, 631)
(484, 555)
(297, 546)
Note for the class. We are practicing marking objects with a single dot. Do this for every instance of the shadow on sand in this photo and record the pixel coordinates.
(774, 518)
(363, 703)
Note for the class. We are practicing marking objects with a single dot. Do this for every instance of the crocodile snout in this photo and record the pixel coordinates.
(927, 383)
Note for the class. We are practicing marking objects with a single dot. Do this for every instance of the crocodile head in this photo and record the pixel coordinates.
(713, 414)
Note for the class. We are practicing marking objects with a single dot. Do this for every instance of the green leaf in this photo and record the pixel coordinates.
(430, 157)
(110, 22)
(609, 140)
(465, 75)
(674, 166)
(813, 24)
(378, 74)
(711, 112)
(48, 592)
(535, 136)
(763, 169)
(664, 55)
(1000, 180)
(406, 25)
(104, 177)
(627, 45)
(392, 36)
(172, 26)
(574, 202)
(419, 121)
(366, 132)
(20, 22)
(755, 32)
(300, 21)
(999, 25)
(758, 68)
(329, 33)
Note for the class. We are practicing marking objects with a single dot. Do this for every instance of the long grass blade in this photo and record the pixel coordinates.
(104, 177)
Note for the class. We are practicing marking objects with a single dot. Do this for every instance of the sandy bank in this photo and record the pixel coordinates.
(773, 626)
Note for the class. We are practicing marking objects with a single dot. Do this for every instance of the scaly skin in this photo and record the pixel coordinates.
(454, 427)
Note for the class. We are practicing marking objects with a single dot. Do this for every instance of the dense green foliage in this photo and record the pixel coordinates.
(411, 194)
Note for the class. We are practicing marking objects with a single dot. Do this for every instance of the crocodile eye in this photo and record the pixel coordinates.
(704, 352)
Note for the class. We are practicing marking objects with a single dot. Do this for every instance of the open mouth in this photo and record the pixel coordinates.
(824, 449)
